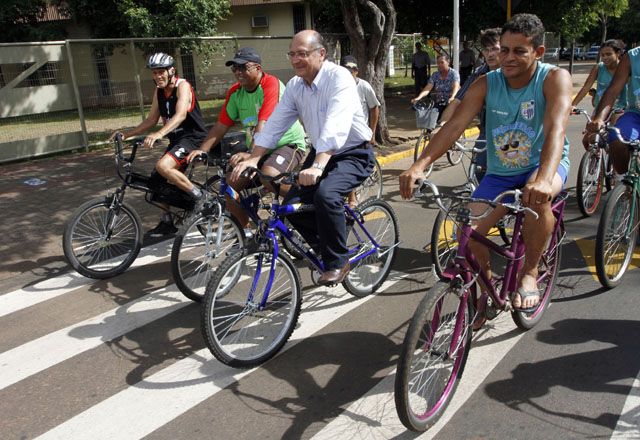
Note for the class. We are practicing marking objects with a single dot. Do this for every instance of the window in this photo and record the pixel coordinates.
(48, 74)
(298, 18)
(104, 80)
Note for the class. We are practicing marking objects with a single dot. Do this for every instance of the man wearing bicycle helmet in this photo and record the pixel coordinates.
(527, 109)
(250, 101)
(628, 72)
(175, 102)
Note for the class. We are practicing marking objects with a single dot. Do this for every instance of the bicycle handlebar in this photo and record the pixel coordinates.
(119, 146)
(516, 206)
(473, 149)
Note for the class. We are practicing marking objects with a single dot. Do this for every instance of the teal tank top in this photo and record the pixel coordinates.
(514, 124)
(603, 80)
(633, 86)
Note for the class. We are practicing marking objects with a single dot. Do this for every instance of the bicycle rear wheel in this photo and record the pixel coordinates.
(616, 239)
(590, 182)
(369, 273)
(196, 253)
(236, 328)
(101, 242)
(433, 356)
(421, 144)
(547, 276)
(454, 155)
(371, 188)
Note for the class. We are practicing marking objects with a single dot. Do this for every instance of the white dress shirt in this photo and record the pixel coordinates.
(329, 109)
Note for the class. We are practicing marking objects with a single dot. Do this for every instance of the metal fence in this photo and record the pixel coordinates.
(73, 94)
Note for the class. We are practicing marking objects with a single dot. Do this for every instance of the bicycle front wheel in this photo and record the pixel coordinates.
(433, 356)
(616, 239)
(368, 273)
(547, 275)
(589, 184)
(371, 188)
(100, 241)
(454, 154)
(196, 251)
(421, 144)
(239, 329)
(444, 243)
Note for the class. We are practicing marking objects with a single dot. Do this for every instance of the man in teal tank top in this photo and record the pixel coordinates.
(628, 73)
(527, 109)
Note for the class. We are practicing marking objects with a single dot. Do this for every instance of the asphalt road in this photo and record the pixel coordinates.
(124, 357)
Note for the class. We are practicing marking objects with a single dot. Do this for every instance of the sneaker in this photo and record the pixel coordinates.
(163, 228)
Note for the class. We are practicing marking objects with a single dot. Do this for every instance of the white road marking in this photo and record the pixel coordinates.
(160, 398)
(374, 415)
(628, 425)
(53, 287)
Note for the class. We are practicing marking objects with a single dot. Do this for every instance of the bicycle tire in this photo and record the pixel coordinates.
(194, 255)
(589, 185)
(454, 156)
(432, 326)
(368, 274)
(95, 252)
(372, 186)
(611, 265)
(443, 242)
(421, 143)
(232, 324)
(547, 277)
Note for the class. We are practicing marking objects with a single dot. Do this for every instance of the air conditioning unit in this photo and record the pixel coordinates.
(259, 21)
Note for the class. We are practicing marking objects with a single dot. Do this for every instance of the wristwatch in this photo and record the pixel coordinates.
(317, 166)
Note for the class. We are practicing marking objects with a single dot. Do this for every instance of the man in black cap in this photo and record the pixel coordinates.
(250, 101)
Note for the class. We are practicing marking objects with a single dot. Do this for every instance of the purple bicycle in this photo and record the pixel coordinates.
(438, 340)
(252, 303)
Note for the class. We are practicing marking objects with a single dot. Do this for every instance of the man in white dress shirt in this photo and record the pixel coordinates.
(325, 98)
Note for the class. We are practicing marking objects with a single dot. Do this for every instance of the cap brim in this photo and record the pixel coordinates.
(351, 66)
(235, 61)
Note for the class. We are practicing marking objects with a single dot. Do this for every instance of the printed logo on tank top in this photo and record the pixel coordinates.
(528, 109)
(513, 144)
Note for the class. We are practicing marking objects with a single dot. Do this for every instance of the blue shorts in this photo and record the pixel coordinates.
(629, 126)
(492, 184)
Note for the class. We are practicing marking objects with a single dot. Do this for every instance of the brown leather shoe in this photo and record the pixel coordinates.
(334, 276)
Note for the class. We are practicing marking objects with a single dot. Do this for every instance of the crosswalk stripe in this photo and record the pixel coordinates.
(587, 248)
(53, 287)
(160, 398)
(374, 415)
(34, 356)
(628, 426)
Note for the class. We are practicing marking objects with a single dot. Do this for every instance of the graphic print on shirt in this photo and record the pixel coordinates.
(513, 142)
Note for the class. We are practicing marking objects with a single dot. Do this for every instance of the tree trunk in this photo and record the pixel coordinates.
(370, 42)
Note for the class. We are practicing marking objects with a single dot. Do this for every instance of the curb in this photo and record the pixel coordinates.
(386, 160)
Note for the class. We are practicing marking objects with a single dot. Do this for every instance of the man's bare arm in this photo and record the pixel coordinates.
(613, 91)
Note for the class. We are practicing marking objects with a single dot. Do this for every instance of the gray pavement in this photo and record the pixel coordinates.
(37, 197)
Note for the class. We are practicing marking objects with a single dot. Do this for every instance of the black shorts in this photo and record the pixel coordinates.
(180, 148)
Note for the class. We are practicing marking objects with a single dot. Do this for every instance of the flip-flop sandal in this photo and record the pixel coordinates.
(526, 294)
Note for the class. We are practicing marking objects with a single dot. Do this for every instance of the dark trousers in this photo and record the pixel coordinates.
(421, 78)
(464, 73)
(325, 229)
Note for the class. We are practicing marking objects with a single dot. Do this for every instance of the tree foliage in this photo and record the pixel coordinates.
(150, 18)
(20, 21)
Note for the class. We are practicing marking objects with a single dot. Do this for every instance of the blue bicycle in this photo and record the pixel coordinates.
(253, 301)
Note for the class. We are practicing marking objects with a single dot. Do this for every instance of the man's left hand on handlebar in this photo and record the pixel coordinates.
(309, 176)
(240, 167)
(408, 181)
(537, 193)
(150, 140)
(238, 157)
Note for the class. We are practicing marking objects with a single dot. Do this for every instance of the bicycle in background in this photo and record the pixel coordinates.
(595, 171)
(103, 236)
(618, 228)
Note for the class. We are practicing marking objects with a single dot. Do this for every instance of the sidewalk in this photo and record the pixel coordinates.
(37, 198)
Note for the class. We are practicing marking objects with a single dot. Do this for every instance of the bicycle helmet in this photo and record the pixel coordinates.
(159, 60)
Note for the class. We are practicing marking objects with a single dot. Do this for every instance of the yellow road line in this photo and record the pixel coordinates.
(587, 248)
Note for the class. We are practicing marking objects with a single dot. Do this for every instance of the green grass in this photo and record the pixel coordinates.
(398, 82)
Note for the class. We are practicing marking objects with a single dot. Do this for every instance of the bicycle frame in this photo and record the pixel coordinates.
(465, 263)
(276, 224)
